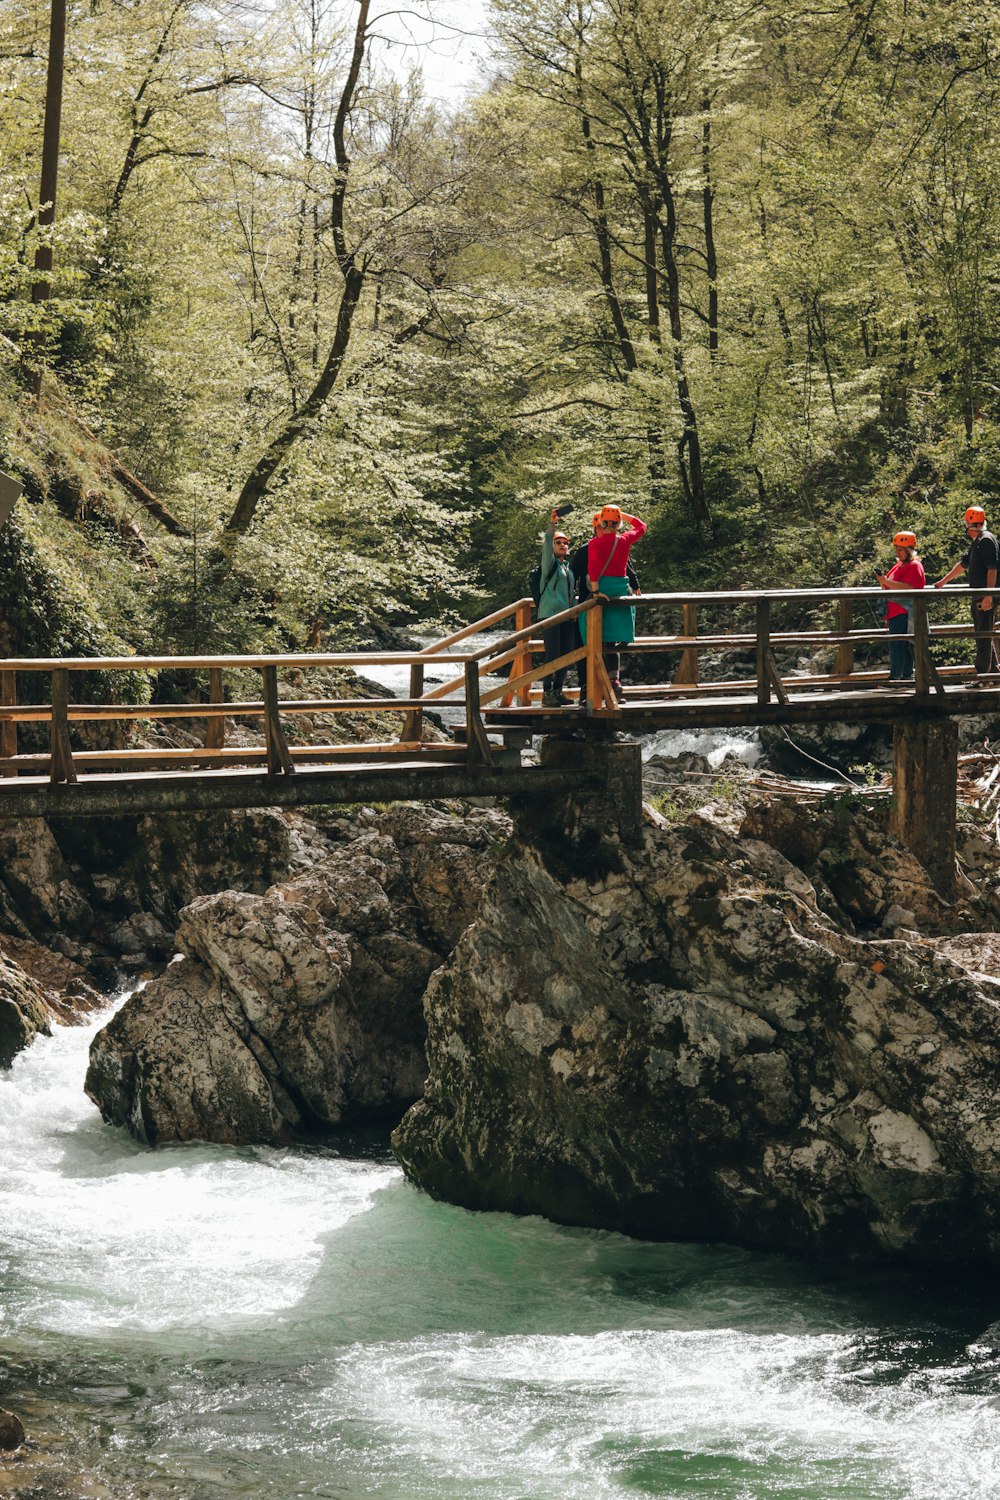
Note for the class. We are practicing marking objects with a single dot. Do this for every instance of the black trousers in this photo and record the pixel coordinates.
(986, 651)
(558, 640)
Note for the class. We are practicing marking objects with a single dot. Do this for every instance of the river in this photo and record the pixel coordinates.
(207, 1323)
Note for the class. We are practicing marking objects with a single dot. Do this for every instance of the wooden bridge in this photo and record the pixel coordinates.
(744, 669)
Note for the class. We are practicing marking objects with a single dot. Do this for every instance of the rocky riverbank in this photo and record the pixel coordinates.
(756, 1022)
(778, 1039)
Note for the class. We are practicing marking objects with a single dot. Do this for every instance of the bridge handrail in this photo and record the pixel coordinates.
(779, 596)
(518, 650)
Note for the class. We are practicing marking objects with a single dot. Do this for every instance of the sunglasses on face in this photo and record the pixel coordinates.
(974, 525)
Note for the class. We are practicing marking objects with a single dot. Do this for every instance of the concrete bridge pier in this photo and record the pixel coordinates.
(610, 805)
(925, 795)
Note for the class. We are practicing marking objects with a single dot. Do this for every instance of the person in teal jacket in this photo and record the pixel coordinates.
(556, 593)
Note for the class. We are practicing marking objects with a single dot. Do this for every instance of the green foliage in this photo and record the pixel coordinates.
(549, 313)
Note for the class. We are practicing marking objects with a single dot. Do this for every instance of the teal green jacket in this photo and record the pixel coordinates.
(559, 593)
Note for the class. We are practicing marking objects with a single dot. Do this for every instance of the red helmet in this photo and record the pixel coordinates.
(904, 539)
(975, 515)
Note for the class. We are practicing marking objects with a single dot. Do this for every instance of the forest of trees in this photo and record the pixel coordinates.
(734, 264)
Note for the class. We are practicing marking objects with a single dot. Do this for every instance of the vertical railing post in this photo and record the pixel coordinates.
(922, 670)
(845, 650)
(763, 649)
(61, 767)
(413, 724)
(279, 759)
(687, 672)
(477, 745)
(523, 663)
(8, 730)
(595, 641)
(215, 727)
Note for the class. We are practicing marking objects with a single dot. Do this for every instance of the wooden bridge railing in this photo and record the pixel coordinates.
(465, 688)
(62, 762)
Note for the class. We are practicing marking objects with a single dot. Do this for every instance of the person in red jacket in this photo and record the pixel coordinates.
(615, 534)
(907, 572)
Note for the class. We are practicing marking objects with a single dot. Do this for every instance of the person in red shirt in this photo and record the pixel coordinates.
(615, 534)
(907, 572)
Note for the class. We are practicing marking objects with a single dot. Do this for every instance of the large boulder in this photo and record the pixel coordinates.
(690, 1047)
(300, 1008)
(24, 1009)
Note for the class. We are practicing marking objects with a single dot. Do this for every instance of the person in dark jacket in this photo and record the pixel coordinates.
(981, 561)
(556, 594)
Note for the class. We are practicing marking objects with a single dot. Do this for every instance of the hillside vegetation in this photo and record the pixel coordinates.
(733, 265)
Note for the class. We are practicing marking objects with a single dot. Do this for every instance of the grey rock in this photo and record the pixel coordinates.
(38, 881)
(24, 1009)
(301, 1007)
(687, 1048)
(12, 1432)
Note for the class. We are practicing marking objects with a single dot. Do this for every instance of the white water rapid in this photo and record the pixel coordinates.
(206, 1323)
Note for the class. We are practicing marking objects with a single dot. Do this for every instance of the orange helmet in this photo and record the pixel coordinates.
(560, 536)
(611, 513)
(595, 520)
(975, 514)
(904, 539)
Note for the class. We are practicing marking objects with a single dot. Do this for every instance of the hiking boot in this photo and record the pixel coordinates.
(562, 700)
(551, 700)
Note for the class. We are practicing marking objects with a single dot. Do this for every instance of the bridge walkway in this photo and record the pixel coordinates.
(804, 656)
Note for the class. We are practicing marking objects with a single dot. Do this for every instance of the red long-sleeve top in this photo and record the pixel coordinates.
(908, 575)
(599, 550)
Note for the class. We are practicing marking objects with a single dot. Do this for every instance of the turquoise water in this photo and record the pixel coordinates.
(203, 1322)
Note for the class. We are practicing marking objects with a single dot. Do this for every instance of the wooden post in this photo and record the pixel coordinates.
(477, 746)
(61, 767)
(595, 658)
(924, 794)
(8, 731)
(215, 728)
(845, 651)
(688, 669)
(763, 651)
(413, 724)
(924, 671)
(279, 759)
(522, 619)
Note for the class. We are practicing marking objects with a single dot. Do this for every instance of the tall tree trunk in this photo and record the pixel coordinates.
(650, 267)
(296, 425)
(689, 447)
(41, 288)
(141, 116)
(708, 213)
(280, 447)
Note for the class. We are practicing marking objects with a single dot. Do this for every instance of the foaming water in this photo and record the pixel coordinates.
(714, 744)
(205, 1322)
